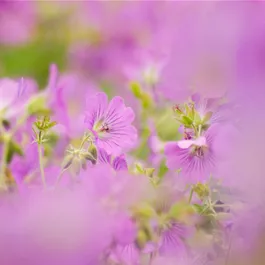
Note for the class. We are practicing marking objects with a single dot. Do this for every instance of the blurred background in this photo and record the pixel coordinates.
(210, 43)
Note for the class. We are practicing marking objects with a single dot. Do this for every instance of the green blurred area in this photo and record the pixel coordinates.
(32, 60)
(48, 44)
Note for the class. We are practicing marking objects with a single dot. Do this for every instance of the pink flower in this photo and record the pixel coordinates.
(195, 157)
(110, 123)
(67, 105)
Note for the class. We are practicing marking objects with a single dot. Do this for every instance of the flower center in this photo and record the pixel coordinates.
(101, 127)
(104, 128)
(199, 151)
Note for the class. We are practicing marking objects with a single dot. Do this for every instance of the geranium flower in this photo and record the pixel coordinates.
(110, 123)
(195, 157)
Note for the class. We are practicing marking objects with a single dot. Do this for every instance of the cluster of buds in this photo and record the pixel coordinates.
(191, 119)
(77, 158)
(41, 128)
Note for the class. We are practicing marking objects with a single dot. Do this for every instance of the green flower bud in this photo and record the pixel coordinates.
(202, 190)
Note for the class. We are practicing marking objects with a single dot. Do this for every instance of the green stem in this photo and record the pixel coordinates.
(83, 141)
(199, 131)
(41, 165)
(195, 129)
(191, 194)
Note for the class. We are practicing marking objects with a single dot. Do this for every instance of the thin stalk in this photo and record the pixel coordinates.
(83, 141)
(191, 194)
(195, 129)
(41, 165)
(229, 249)
(199, 131)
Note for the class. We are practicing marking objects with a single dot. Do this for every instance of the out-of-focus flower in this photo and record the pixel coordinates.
(110, 123)
(17, 22)
(9, 91)
(212, 110)
(203, 54)
(170, 227)
(125, 249)
(147, 71)
(113, 42)
(24, 166)
(128, 254)
(13, 95)
(53, 226)
(67, 105)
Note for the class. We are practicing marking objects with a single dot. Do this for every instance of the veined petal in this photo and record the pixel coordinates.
(96, 108)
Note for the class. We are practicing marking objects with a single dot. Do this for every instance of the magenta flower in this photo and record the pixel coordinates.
(195, 157)
(110, 123)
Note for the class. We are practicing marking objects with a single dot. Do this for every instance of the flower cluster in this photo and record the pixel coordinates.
(96, 202)
(145, 148)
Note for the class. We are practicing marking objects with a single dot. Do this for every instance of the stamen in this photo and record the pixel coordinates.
(199, 151)
(104, 128)
(187, 135)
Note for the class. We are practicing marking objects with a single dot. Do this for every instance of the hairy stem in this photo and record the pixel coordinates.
(83, 141)
(41, 165)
